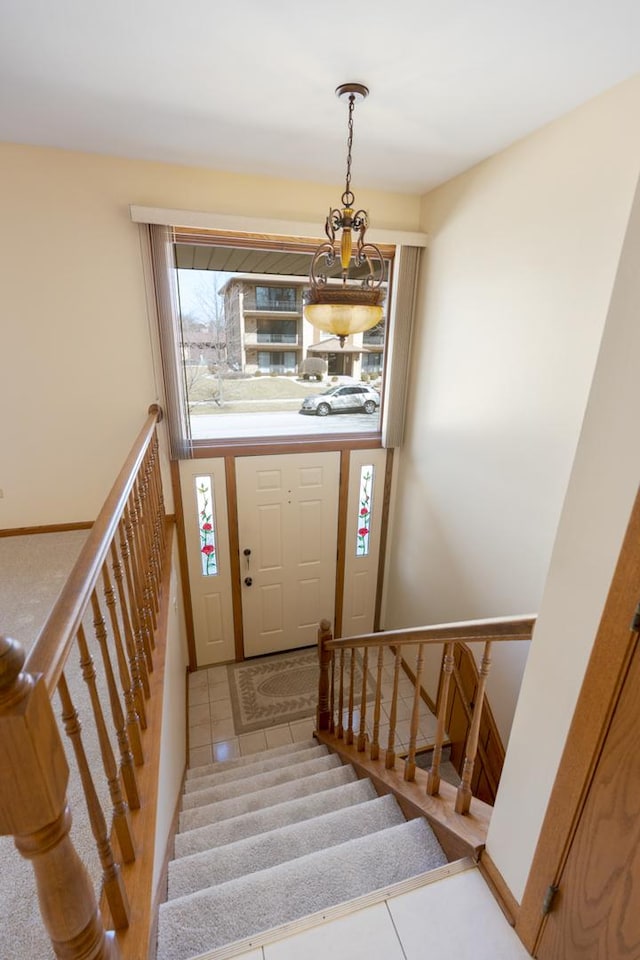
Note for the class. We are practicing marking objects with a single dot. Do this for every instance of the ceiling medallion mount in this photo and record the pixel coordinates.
(344, 306)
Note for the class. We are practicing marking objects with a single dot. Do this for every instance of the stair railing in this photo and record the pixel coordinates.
(118, 575)
(344, 692)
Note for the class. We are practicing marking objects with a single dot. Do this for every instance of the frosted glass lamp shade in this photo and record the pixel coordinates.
(343, 319)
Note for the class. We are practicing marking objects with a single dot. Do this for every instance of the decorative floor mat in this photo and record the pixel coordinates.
(272, 690)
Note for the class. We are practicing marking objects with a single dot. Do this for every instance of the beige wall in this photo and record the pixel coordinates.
(600, 496)
(173, 756)
(513, 298)
(76, 375)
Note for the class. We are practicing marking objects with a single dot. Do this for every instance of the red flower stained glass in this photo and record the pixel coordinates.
(204, 497)
(364, 516)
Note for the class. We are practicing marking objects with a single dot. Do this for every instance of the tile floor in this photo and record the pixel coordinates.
(212, 736)
(456, 918)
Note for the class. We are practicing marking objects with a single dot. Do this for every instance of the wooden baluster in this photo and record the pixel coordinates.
(133, 723)
(375, 744)
(113, 883)
(362, 734)
(148, 524)
(332, 695)
(159, 496)
(154, 503)
(136, 664)
(144, 540)
(433, 778)
(155, 529)
(157, 519)
(390, 756)
(33, 809)
(324, 656)
(352, 676)
(131, 525)
(464, 794)
(410, 762)
(138, 627)
(340, 730)
(120, 809)
(126, 757)
(146, 533)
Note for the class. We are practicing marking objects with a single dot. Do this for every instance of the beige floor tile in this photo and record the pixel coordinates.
(458, 917)
(428, 726)
(219, 690)
(198, 695)
(278, 736)
(199, 713)
(405, 687)
(364, 935)
(302, 729)
(198, 678)
(252, 742)
(217, 674)
(221, 710)
(198, 756)
(222, 730)
(200, 736)
(226, 750)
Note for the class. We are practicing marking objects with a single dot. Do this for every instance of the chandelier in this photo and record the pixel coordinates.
(344, 306)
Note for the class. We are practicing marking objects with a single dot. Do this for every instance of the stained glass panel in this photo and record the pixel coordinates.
(364, 510)
(206, 525)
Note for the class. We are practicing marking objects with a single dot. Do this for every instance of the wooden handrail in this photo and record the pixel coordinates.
(33, 798)
(468, 631)
(447, 634)
(51, 649)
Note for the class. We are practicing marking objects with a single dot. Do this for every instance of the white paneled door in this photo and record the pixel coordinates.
(287, 527)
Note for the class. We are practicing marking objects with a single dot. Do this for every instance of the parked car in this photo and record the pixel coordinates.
(342, 399)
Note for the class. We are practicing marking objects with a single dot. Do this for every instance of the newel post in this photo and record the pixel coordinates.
(323, 714)
(33, 809)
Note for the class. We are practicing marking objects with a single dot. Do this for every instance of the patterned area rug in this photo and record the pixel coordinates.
(272, 690)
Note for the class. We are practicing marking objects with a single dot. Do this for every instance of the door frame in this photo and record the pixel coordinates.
(229, 454)
(612, 651)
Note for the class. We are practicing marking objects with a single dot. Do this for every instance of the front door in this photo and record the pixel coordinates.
(287, 529)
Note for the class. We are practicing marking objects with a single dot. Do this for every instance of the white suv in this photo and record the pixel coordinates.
(344, 399)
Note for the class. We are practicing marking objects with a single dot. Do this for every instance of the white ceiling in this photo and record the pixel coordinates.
(248, 85)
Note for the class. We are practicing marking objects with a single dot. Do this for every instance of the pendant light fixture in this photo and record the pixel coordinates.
(344, 306)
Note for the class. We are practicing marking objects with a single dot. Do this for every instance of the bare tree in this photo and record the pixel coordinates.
(211, 312)
(206, 327)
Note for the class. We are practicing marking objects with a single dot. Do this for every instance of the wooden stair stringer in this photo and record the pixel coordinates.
(459, 836)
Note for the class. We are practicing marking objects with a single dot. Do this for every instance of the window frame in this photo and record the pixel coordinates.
(256, 233)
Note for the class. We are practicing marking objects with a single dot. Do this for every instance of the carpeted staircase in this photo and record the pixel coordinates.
(270, 838)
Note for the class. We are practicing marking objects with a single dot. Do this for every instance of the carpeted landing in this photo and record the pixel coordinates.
(268, 839)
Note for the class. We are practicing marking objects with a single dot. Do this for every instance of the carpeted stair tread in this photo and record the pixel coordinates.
(249, 905)
(288, 842)
(260, 821)
(236, 806)
(288, 748)
(259, 781)
(251, 769)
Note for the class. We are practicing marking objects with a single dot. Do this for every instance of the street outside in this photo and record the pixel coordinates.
(266, 406)
(279, 423)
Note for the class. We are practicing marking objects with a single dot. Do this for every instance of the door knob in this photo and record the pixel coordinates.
(248, 581)
(247, 552)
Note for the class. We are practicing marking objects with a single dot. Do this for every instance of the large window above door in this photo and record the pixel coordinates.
(252, 366)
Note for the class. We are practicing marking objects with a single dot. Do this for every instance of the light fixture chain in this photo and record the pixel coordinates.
(348, 198)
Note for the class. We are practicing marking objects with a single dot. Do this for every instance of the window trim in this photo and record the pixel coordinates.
(193, 228)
